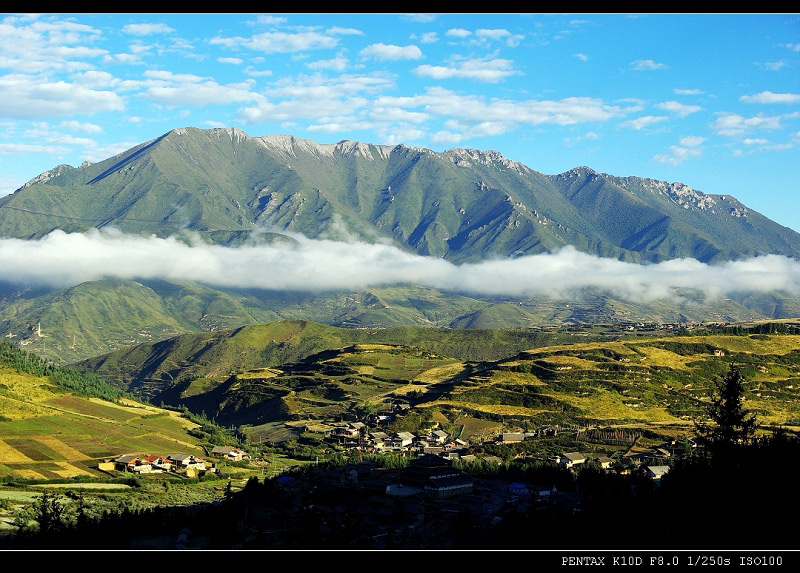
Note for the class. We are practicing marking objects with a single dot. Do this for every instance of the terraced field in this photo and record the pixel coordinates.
(46, 433)
(654, 381)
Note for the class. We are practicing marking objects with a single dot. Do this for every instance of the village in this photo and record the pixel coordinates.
(425, 503)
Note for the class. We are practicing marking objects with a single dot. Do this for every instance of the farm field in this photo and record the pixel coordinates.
(62, 436)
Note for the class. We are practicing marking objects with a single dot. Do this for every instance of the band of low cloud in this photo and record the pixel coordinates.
(66, 259)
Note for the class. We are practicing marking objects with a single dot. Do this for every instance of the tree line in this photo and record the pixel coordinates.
(82, 383)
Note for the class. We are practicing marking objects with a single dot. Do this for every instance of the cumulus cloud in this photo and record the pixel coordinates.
(680, 109)
(279, 42)
(640, 65)
(24, 97)
(642, 122)
(385, 52)
(689, 147)
(734, 125)
(145, 29)
(770, 97)
(480, 70)
(61, 259)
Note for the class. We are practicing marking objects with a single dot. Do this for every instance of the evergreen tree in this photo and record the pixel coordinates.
(731, 423)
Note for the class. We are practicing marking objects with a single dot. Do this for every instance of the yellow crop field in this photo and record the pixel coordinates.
(660, 357)
(440, 373)
(11, 455)
(61, 448)
(68, 470)
(500, 409)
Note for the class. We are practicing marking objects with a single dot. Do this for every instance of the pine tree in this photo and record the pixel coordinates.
(731, 423)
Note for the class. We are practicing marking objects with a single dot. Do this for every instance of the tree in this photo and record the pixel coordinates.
(731, 423)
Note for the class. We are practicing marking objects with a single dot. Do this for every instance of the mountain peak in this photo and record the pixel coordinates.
(463, 157)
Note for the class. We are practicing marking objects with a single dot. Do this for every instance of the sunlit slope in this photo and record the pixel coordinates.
(292, 370)
(463, 205)
(645, 381)
(51, 430)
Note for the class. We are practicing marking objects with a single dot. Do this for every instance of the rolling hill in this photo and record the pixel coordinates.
(57, 423)
(304, 371)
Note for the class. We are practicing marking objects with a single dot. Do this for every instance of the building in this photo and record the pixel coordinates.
(229, 453)
(572, 459)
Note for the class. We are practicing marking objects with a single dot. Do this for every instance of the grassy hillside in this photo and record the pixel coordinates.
(463, 205)
(150, 368)
(294, 370)
(53, 426)
(650, 381)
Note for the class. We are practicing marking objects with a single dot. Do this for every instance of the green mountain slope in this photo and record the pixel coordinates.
(57, 423)
(463, 205)
(152, 367)
(291, 371)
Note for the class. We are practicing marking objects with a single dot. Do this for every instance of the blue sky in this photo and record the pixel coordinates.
(712, 101)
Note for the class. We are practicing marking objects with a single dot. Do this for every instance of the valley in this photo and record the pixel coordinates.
(412, 349)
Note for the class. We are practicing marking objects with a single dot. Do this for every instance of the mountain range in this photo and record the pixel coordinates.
(462, 205)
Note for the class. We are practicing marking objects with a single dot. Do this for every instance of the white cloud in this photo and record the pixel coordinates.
(337, 64)
(35, 44)
(421, 18)
(582, 57)
(774, 66)
(499, 35)
(678, 91)
(191, 90)
(769, 97)
(734, 125)
(314, 97)
(678, 154)
(6, 148)
(692, 141)
(680, 109)
(62, 259)
(279, 42)
(642, 122)
(234, 61)
(23, 96)
(384, 52)
(145, 29)
(646, 65)
(429, 38)
(480, 70)
(81, 127)
(473, 109)
(344, 31)
(689, 147)
(458, 33)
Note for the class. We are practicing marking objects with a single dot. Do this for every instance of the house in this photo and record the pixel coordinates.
(571, 459)
(403, 439)
(448, 486)
(455, 444)
(229, 453)
(158, 463)
(655, 473)
(512, 437)
(439, 436)
(133, 464)
(605, 462)
(124, 462)
(186, 462)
